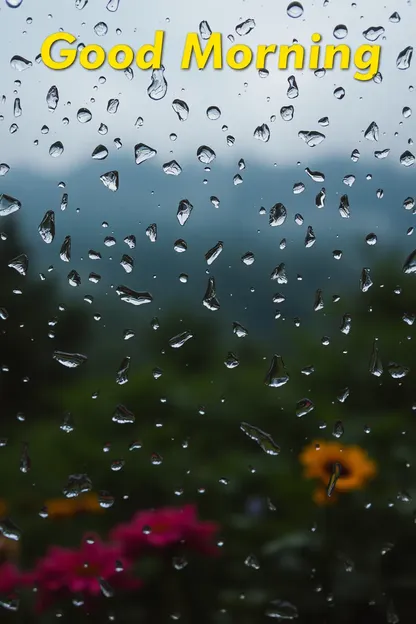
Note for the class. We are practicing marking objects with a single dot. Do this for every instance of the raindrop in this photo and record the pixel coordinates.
(340, 31)
(248, 258)
(181, 108)
(210, 300)
(406, 112)
(404, 58)
(65, 253)
(151, 232)
(184, 211)
(20, 264)
(178, 341)
(278, 215)
(80, 4)
(100, 152)
(101, 29)
(372, 132)
(84, 115)
(110, 180)
(205, 154)
(52, 98)
(407, 159)
(133, 297)
(394, 17)
(56, 149)
(295, 10)
(19, 63)
(122, 376)
(410, 264)
(339, 93)
(69, 360)
(287, 113)
(245, 27)
(365, 280)
(344, 207)
(276, 375)
(371, 239)
(14, 4)
(143, 152)
(264, 440)
(112, 106)
(373, 33)
(113, 5)
(4, 168)
(310, 238)
(46, 228)
(311, 137)
(293, 90)
(213, 113)
(205, 30)
(214, 252)
(8, 205)
(397, 371)
(158, 86)
(282, 610)
(320, 198)
(262, 133)
(239, 330)
(172, 168)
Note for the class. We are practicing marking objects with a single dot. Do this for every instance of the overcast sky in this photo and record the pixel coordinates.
(245, 99)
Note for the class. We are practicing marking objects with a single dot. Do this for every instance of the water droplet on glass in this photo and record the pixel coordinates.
(19, 63)
(178, 341)
(365, 280)
(262, 133)
(158, 86)
(20, 264)
(276, 375)
(264, 440)
(14, 4)
(151, 232)
(282, 610)
(100, 152)
(407, 159)
(181, 108)
(46, 228)
(339, 93)
(56, 149)
(394, 17)
(172, 168)
(373, 33)
(213, 253)
(113, 5)
(245, 27)
(278, 215)
(231, 360)
(184, 211)
(65, 253)
(316, 176)
(410, 264)
(205, 154)
(133, 297)
(110, 180)
(210, 300)
(8, 205)
(84, 115)
(52, 98)
(213, 113)
(397, 371)
(311, 137)
(344, 207)
(4, 168)
(310, 238)
(372, 132)
(101, 29)
(340, 31)
(69, 360)
(404, 58)
(205, 30)
(81, 4)
(292, 91)
(287, 112)
(143, 152)
(295, 9)
(112, 106)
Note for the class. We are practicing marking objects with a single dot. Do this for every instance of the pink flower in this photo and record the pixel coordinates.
(10, 579)
(64, 571)
(165, 527)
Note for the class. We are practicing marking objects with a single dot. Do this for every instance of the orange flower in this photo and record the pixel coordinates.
(354, 466)
(67, 507)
